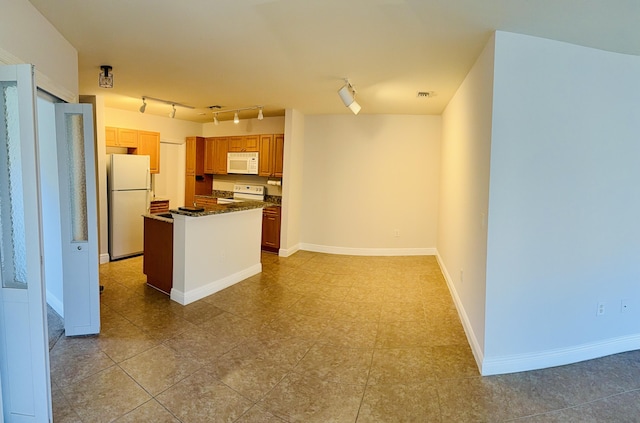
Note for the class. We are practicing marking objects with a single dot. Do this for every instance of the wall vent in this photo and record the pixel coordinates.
(425, 94)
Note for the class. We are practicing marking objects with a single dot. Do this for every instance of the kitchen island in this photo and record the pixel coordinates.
(214, 247)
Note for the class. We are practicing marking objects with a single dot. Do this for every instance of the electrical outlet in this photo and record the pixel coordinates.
(600, 311)
(625, 306)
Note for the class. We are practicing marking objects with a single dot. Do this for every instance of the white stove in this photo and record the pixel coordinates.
(243, 193)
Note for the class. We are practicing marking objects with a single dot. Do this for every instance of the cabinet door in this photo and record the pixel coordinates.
(271, 228)
(251, 142)
(199, 156)
(127, 138)
(189, 189)
(236, 143)
(220, 156)
(149, 144)
(278, 155)
(190, 168)
(209, 155)
(111, 136)
(265, 155)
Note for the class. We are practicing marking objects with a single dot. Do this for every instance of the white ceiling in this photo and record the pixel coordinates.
(295, 53)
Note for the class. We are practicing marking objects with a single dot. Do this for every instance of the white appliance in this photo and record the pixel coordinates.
(242, 163)
(243, 193)
(128, 183)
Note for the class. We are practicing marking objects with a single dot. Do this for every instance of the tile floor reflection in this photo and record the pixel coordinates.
(314, 338)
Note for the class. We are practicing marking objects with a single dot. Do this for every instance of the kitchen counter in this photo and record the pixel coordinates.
(211, 209)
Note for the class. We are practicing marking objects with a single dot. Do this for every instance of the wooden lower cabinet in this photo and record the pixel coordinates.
(158, 254)
(271, 229)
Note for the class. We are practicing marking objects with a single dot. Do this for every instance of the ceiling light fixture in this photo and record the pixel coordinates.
(105, 80)
(260, 115)
(348, 96)
(144, 105)
(236, 115)
(173, 104)
(172, 113)
(236, 119)
(215, 119)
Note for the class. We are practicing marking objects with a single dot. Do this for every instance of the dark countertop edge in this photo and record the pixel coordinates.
(155, 216)
(224, 208)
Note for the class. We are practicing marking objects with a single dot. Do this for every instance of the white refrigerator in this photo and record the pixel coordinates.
(129, 185)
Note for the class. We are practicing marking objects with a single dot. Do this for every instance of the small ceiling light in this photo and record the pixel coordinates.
(105, 80)
(172, 113)
(236, 119)
(215, 119)
(260, 115)
(144, 105)
(348, 96)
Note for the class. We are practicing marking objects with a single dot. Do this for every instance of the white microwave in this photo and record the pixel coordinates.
(242, 163)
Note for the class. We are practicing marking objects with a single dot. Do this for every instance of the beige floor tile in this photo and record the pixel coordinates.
(404, 334)
(201, 398)
(314, 307)
(348, 334)
(149, 412)
(202, 346)
(579, 414)
(454, 361)
(74, 358)
(358, 311)
(62, 410)
(298, 325)
(400, 403)
(405, 365)
(251, 376)
(299, 398)
(284, 350)
(257, 415)
(339, 365)
(105, 396)
(402, 312)
(198, 312)
(160, 368)
(125, 341)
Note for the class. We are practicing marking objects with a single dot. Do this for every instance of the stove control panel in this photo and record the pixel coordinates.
(249, 189)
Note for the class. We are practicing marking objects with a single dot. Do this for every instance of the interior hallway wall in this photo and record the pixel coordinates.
(371, 184)
(564, 233)
(464, 195)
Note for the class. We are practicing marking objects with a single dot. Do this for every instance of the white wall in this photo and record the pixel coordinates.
(27, 37)
(366, 177)
(464, 194)
(292, 181)
(564, 232)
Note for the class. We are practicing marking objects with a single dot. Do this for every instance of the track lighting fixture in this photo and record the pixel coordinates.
(173, 104)
(105, 80)
(172, 113)
(236, 119)
(348, 96)
(260, 115)
(215, 119)
(144, 105)
(236, 113)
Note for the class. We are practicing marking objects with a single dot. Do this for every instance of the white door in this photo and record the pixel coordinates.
(78, 219)
(24, 354)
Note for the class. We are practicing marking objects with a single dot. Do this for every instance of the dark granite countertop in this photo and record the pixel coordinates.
(223, 208)
(159, 216)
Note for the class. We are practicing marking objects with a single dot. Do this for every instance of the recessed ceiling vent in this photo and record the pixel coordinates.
(425, 94)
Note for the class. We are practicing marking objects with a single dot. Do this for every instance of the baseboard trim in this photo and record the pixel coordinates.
(286, 252)
(560, 356)
(349, 251)
(188, 297)
(476, 348)
(104, 258)
(55, 304)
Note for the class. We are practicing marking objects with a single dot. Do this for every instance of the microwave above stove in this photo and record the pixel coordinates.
(242, 163)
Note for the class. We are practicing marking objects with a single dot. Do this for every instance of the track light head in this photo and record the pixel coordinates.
(236, 119)
(172, 113)
(260, 115)
(144, 105)
(215, 119)
(348, 96)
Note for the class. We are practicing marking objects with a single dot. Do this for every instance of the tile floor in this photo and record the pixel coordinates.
(314, 338)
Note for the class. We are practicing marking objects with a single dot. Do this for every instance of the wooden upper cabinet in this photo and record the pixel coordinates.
(209, 154)
(220, 155)
(127, 138)
(251, 142)
(278, 155)
(111, 136)
(190, 167)
(244, 143)
(149, 144)
(120, 137)
(265, 158)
